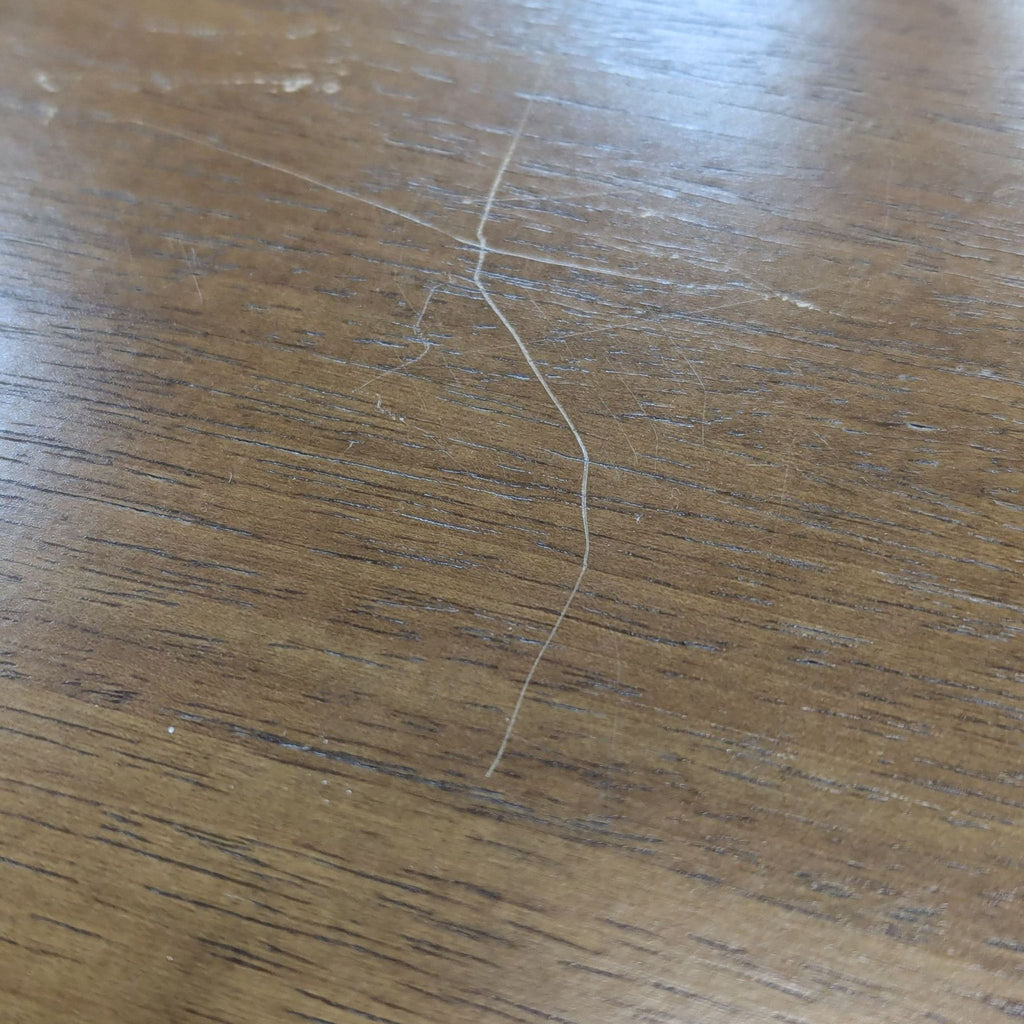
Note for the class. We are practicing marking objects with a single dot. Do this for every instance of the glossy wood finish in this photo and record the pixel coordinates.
(286, 516)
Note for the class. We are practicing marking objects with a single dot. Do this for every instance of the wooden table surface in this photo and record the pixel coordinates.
(512, 512)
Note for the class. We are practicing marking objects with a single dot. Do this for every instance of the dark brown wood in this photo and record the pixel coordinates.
(287, 516)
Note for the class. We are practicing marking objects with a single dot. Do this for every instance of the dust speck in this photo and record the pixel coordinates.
(44, 81)
(293, 83)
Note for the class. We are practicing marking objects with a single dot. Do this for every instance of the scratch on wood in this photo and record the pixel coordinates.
(427, 346)
(703, 387)
(604, 405)
(191, 262)
(356, 197)
(483, 249)
(785, 486)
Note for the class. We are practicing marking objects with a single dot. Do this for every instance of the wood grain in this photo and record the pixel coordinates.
(287, 517)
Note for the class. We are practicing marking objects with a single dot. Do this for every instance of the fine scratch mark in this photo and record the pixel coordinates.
(703, 387)
(423, 310)
(427, 346)
(886, 203)
(191, 263)
(639, 405)
(604, 405)
(356, 197)
(195, 278)
(782, 495)
(482, 250)
(270, 165)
